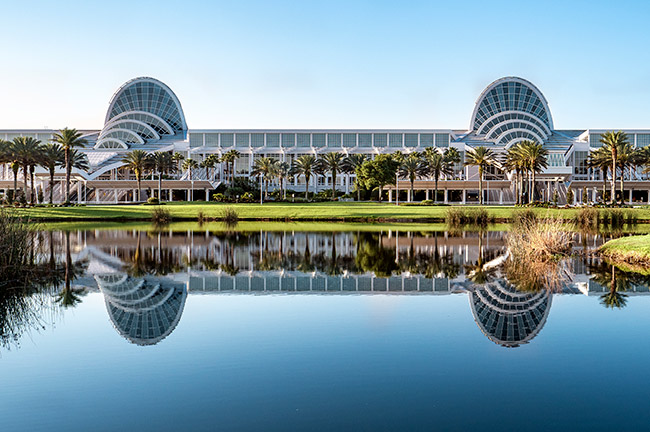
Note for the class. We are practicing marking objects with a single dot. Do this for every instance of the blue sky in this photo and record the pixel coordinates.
(333, 64)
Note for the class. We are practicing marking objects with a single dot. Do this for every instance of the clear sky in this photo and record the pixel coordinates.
(324, 64)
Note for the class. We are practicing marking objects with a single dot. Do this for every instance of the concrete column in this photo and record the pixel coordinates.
(408, 195)
(97, 196)
(390, 195)
(594, 194)
(500, 196)
(115, 195)
(427, 194)
(169, 195)
(630, 195)
(446, 196)
(464, 196)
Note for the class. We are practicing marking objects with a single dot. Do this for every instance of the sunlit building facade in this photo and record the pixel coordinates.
(144, 113)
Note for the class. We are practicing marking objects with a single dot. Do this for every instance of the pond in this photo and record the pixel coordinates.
(362, 329)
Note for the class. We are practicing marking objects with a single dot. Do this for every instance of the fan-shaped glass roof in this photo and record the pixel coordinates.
(507, 316)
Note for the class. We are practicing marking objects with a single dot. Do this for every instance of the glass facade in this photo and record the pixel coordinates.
(380, 140)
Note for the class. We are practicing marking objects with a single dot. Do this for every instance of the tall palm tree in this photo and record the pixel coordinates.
(304, 165)
(79, 161)
(514, 162)
(436, 166)
(612, 142)
(600, 159)
(53, 156)
(229, 158)
(281, 171)
(210, 162)
(481, 157)
(263, 167)
(628, 157)
(162, 163)
(412, 167)
(333, 162)
(137, 161)
(189, 165)
(351, 165)
(178, 158)
(536, 160)
(27, 152)
(69, 139)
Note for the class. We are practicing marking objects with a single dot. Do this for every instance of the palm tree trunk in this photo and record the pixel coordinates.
(381, 189)
(15, 183)
(435, 190)
(51, 186)
(480, 185)
(31, 180)
(139, 189)
(622, 185)
(532, 187)
(412, 192)
(159, 185)
(68, 170)
(25, 176)
(333, 185)
(307, 178)
(614, 180)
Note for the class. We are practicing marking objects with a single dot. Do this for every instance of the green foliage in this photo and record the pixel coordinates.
(153, 201)
(569, 196)
(160, 216)
(379, 172)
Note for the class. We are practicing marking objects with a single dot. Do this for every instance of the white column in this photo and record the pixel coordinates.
(500, 196)
(427, 194)
(390, 195)
(464, 196)
(630, 196)
(446, 196)
(115, 194)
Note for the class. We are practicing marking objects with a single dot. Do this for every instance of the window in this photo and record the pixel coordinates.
(318, 140)
(594, 140)
(333, 140)
(380, 140)
(288, 140)
(242, 139)
(411, 140)
(349, 140)
(211, 140)
(365, 140)
(442, 140)
(227, 140)
(642, 140)
(273, 140)
(395, 140)
(304, 140)
(426, 140)
(196, 140)
(257, 140)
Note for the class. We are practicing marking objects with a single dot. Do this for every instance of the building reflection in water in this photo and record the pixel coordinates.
(146, 277)
(144, 311)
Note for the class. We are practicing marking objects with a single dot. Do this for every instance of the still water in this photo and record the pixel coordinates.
(386, 330)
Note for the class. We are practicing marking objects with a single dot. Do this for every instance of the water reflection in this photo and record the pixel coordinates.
(145, 278)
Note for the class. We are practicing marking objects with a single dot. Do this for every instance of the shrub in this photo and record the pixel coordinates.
(523, 216)
(160, 216)
(229, 216)
(569, 196)
(248, 197)
(455, 217)
(16, 242)
(153, 201)
(587, 218)
(219, 197)
(537, 241)
(478, 217)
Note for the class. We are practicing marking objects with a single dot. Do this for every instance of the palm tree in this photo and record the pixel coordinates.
(628, 157)
(600, 159)
(210, 162)
(333, 162)
(229, 158)
(281, 171)
(437, 165)
(263, 167)
(178, 158)
(137, 161)
(612, 142)
(514, 161)
(351, 165)
(162, 163)
(412, 167)
(536, 160)
(68, 139)
(53, 156)
(189, 165)
(27, 153)
(304, 165)
(482, 157)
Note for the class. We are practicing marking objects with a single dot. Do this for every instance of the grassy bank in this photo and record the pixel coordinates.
(351, 211)
(633, 250)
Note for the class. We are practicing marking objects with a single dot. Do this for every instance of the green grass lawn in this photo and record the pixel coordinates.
(281, 211)
(633, 249)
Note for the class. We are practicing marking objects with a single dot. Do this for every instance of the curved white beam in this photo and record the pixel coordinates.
(121, 143)
(537, 137)
(115, 123)
(537, 130)
(107, 133)
(125, 114)
(505, 113)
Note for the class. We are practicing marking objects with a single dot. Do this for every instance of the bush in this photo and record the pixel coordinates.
(248, 197)
(160, 216)
(229, 216)
(569, 196)
(537, 241)
(523, 216)
(153, 201)
(587, 218)
(219, 197)
(456, 217)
